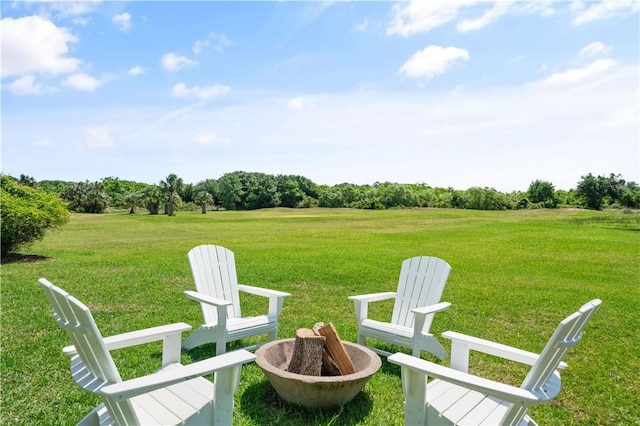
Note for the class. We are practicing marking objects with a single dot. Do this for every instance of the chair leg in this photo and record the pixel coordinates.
(221, 345)
(272, 335)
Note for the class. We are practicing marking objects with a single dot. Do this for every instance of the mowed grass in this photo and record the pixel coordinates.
(515, 275)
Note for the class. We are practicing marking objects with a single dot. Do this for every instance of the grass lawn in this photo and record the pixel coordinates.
(515, 275)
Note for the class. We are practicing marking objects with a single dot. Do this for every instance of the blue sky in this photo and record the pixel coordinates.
(451, 94)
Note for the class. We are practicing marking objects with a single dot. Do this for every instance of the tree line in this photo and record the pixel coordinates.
(241, 190)
(30, 207)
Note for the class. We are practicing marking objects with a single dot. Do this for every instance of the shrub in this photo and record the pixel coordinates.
(27, 213)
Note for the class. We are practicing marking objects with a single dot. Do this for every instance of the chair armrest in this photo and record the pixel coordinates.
(137, 337)
(431, 309)
(373, 297)
(462, 343)
(420, 320)
(276, 298)
(164, 378)
(207, 299)
(469, 381)
(361, 302)
(259, 291)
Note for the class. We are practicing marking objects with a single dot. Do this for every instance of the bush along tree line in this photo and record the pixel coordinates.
(27, 213)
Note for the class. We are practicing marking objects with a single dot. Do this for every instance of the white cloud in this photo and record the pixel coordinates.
(604, 10)
(203, 93)
(68, 8)
(499, 9)
(173, 62)
(25, 85)
(83, 22)
(210, 139)
(594, 49)
(32, 44)
(432, 61)
(199, 46)
(97, 137)
(82, 81)
(137, 70)
(300, 102)
(364, 26)
(122, 21)
(580, 74)
(367, 25)
(218, 42)
(419, 16)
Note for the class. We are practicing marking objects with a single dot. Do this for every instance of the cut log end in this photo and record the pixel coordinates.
(307, 353)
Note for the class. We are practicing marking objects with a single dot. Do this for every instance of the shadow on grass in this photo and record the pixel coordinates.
(261, 403)
(22, 258)
(390, 369)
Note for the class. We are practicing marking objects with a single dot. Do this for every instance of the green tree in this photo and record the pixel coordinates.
(172, 185)
(248, 191)
(629, 195)
(133, 200)
(27, 180)
(262, 192)
(395, 195)
(212, 187)
(596, 192)
(567, 198)
(153, 198)
(203, 198)
(459, 199)
(485, 199)
(330, 196)
(56, 187)
(118, 190)
(423, 195)
(296, 191)
(232, 191)
(544, 193)
(27, 213)
(188, 193)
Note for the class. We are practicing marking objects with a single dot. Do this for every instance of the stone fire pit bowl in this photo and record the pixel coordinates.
(315, 391)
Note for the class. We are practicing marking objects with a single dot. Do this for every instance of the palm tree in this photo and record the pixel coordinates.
(153, 196)
(203, 198)
(172, 184)
(133, 200)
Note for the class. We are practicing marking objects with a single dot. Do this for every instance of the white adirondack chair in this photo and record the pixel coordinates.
(417, 299)
(452, 396)
(175, 394)
(214, 273)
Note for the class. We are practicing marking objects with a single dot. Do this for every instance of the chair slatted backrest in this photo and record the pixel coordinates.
(96, 367)
(567, 335)
(214, 272)
(421, 283)
(541, 379)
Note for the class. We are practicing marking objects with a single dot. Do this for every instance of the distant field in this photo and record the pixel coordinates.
(515, 275)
